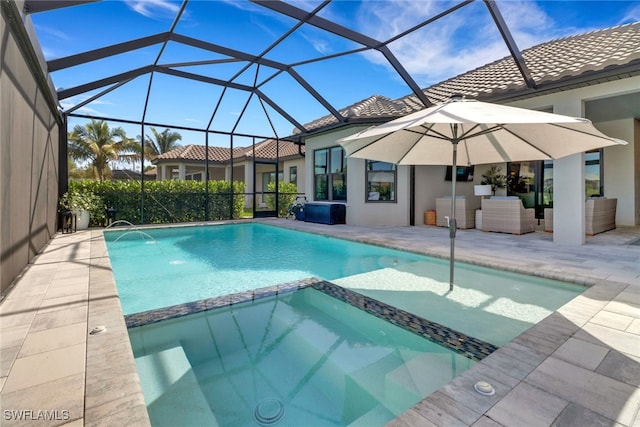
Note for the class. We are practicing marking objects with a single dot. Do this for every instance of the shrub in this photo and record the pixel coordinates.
(82, 199)
(165, 201)
(287, 193)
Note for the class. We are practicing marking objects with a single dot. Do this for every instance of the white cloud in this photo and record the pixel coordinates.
(631, 15)
(463, 40)
(319, 45)
(154, 8)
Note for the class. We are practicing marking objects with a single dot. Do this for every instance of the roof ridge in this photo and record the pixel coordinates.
(585, 34)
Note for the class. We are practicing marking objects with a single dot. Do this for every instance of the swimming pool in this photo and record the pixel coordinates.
(162, 267)
(299, 359)
(204, 368)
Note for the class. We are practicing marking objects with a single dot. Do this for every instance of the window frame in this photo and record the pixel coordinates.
(331, 175)
(393, 197)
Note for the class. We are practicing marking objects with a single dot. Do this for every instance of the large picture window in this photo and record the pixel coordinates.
(330, 174)
(381, 181)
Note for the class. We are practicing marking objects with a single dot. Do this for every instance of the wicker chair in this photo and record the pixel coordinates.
(600, 216)
(465, 211)
(507, 215)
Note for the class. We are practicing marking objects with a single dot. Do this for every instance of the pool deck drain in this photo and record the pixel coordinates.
(579, 365)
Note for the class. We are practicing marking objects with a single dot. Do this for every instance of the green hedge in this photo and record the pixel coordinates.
(286, 196)
(164, 201)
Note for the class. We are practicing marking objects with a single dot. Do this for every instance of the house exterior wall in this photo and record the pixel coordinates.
(300, 165)
(360, 212)
(29, 137)
(430, 184)
(622, 167)
(620, 170)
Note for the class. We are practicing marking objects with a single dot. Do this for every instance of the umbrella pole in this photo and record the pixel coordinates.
(452, 218)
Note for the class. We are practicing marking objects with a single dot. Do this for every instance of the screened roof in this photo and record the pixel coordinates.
(260, 68)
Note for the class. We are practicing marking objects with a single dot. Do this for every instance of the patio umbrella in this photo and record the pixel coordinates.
(464, 132)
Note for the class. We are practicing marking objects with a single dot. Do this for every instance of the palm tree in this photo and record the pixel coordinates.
(97, 143)
(165, 141)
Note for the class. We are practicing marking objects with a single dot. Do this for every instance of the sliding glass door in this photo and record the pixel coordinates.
(532, 181)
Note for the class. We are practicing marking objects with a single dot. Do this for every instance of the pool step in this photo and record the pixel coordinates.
(417, 378)
(171, 390)
(404, 377)
(372, 417)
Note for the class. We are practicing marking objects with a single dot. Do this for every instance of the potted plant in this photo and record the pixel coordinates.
(494, 178)
(83, 204)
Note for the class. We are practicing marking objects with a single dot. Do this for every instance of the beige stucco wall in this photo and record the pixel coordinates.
(359, 212)
(429, 184)
(619, 170)
(28, 162)
(299, 163)
(621, 164)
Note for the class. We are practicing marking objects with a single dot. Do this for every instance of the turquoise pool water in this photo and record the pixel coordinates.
(162, 267)
(299, 359)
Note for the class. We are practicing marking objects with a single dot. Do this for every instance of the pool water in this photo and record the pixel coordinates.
(491, 305)
(162, 267)
(298, 359)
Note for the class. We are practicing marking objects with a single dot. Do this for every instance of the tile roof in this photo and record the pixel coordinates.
(263, 150)
(565, 62)
(374, 106)
(555, 65)
(267, 150)
(195, 153)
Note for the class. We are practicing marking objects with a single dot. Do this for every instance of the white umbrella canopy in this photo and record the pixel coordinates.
(464, 132)
(487, 133)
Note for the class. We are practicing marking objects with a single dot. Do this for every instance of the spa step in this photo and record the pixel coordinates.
(373, 417)
(417, 378)
(171, 390)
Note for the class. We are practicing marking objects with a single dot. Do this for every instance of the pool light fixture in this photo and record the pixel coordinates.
(98, 330)
(484, 388)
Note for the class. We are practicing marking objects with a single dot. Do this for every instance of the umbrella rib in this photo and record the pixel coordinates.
(607, 138)
(369, 143)
(527, 142)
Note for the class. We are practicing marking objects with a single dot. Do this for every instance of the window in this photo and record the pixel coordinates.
(268, 177)
(330, 174)
(293, 175)
(593, 173)
(381, 182)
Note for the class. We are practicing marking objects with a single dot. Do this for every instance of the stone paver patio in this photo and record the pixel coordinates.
(578, 367)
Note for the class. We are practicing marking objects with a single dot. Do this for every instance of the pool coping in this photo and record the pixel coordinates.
(528, 350)
(112, 394)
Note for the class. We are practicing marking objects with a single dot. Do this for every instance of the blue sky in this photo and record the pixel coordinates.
(459, 42)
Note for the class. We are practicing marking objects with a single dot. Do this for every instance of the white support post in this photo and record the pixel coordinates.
(569, 189)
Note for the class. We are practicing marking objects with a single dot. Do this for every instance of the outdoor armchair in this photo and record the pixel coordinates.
(465, 211)
(599, 212)
(507, 215)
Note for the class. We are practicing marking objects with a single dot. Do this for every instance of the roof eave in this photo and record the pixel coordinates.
(567, 83)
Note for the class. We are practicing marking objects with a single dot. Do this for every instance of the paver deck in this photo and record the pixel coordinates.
(578, 367)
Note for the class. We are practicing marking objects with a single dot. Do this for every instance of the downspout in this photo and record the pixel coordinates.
(412, 195)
